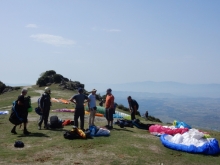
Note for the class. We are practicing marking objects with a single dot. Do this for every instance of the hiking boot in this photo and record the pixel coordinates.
(46, 127)
(110, 127)
(13, 130)
(39, 127)
(26, 132)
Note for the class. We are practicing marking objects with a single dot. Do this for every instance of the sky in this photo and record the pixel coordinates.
(110, 41)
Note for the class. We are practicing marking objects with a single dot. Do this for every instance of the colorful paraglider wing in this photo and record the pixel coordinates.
(209, 146)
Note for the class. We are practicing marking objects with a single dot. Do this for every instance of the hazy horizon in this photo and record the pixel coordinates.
(154, 89)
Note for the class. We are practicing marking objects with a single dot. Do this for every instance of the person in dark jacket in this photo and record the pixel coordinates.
(44, 105)
(22, 110)
(133, 106)
(146, 115)
(79, 100)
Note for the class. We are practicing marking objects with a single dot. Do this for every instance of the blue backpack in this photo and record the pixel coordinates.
(14, 117)
(37, 109)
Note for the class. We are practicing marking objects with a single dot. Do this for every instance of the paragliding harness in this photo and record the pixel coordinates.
(14, 117)
(55, 122)
(76, 133)
(124, 123)
(37, 109)
(138, 124)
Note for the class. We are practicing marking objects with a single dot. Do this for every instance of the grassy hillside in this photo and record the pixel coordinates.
(124, 145)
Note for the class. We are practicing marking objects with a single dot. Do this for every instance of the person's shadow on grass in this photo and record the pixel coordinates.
(57, 129)
(122, 129)
(34, 134)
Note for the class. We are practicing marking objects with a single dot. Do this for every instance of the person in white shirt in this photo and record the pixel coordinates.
(92, 106)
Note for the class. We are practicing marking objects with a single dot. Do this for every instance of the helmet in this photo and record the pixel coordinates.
(47, 90)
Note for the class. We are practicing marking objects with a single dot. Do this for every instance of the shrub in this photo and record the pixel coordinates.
(151, 118)
(122, 107)
(57, 78)
(49, 73)
(2, 86)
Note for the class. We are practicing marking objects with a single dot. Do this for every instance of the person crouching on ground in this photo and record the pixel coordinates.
(92, 106)
(79, 99)
(45, 105)
(133, 106)
(22, 111)
(109, 108)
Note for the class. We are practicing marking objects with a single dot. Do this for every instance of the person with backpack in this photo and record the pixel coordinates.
(92, 106)
(21, 109)
(109, 108)
(44, 105)
(79, 99)
(133, 106)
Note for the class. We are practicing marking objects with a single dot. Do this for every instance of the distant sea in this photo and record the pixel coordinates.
(197, 112)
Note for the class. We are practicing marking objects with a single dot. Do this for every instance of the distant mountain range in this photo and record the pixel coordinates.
(16, 85)
(196, 104)
(162, 89)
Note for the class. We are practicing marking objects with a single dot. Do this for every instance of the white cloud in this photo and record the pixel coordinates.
(112, 30)
(31, 26)
(52, 39)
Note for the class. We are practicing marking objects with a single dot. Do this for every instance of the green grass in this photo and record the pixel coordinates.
(124, 145)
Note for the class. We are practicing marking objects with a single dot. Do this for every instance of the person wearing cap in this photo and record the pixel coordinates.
(133, 106)
(44, 105)
(79, 100)
(92, 106)
(109, 108)
(22, 110)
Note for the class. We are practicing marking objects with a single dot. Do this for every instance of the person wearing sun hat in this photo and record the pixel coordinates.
(79, 99)
(92, 106)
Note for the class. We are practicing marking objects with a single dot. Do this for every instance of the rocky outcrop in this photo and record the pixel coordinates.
(71, 85)
(4, 88)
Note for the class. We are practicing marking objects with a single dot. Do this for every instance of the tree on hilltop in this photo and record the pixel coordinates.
(49, 77)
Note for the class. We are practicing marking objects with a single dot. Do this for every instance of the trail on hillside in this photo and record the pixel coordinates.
(35, 98)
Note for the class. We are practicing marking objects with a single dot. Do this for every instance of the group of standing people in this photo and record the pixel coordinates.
(44, 103)
(80, 99)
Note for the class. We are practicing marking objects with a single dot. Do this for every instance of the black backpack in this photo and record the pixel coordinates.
(19, 144)
(55, 122)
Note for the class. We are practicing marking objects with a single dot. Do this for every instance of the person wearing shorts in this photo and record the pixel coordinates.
(92, 107)
(109, 108)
